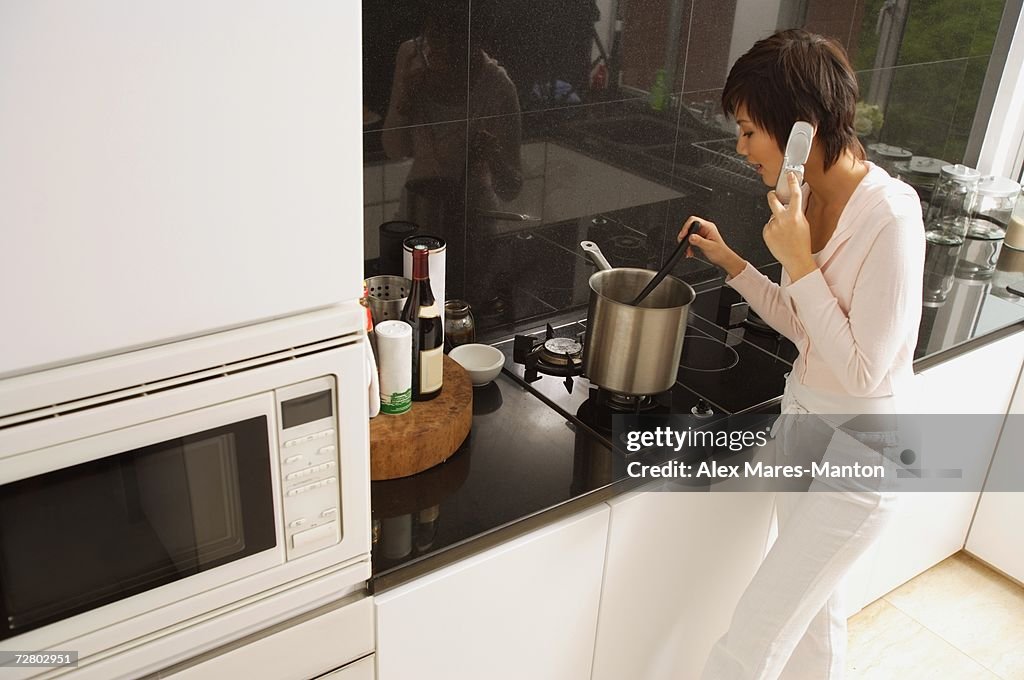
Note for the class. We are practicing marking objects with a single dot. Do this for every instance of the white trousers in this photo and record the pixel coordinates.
(790, 622)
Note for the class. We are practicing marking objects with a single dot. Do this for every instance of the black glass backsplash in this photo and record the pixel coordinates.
(515, 130)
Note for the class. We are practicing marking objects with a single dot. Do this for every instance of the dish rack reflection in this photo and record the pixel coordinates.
(719, 160)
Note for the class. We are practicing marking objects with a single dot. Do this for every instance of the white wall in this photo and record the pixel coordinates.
(1002, 152)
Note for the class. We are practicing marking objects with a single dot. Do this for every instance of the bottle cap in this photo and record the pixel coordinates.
(432, 243)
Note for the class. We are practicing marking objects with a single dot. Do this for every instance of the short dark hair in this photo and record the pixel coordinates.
(795, 75)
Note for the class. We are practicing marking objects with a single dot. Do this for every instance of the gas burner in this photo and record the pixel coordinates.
(560, 352)
(556, 356)
(707, 355)
(627, 403)
(602, 404)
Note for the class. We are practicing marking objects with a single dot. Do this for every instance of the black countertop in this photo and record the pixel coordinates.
(526, 464)
(521, 461)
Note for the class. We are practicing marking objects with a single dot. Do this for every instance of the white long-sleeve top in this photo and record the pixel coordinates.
(854, 319)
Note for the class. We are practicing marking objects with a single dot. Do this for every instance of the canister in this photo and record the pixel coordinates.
(940, 260)
(996, 199)
(1015, 229)
(977, 257)
(1011, 259)
(920, 172)
(987, 227)
(949, 211)
(887, 156)
(394, 358)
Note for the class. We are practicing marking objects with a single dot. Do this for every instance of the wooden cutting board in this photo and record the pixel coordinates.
(402, 445)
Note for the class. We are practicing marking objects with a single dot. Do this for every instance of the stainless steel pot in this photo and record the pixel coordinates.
(633, 349)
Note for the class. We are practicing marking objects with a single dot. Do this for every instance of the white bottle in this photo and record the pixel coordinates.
(394, 354)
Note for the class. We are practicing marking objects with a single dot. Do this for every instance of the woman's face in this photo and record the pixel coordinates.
(445, 52)
(759, 147)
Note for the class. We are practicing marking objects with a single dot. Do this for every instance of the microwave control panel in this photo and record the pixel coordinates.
(310, 470)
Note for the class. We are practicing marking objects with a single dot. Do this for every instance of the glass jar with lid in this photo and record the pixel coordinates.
(459, 325)
(921, 173)
(951, 206)
(887, 156)
(987, 227)
(997, 197)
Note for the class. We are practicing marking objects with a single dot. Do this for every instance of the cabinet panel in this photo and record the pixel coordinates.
(209, 177)
(523, 609)
(928, 527)
(995, 535)
(357, 670)
(297, 652)
(677, 564)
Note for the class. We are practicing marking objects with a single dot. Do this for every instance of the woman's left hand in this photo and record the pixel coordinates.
(787, 234)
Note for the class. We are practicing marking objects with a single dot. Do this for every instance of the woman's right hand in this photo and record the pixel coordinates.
(411, 73)
(711, 244)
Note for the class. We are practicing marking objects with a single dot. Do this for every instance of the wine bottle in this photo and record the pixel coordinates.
(422, 313)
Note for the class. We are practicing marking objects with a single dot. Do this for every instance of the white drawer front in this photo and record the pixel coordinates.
(300, 652)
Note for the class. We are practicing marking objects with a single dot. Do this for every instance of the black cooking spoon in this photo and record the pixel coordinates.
(667, 267)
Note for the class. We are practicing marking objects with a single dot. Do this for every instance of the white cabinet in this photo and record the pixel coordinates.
(315, 644)
(677, 564)
(930, 526)
(173, 168)
(997, 533)
(363, 669)
(523, 609)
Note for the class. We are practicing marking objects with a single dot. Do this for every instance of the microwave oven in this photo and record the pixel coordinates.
(160, 503)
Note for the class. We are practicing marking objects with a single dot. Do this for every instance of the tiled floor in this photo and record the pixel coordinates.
(957, 620)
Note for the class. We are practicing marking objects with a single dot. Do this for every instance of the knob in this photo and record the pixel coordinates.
(702, 409)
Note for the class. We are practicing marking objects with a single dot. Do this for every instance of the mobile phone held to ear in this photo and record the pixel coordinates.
(797, 149)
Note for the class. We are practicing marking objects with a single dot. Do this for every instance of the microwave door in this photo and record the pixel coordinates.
(90, 534)
(193, 502)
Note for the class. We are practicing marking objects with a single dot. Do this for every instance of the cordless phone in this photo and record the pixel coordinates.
(797, 149)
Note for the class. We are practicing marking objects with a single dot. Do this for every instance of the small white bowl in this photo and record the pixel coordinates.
(482, 362)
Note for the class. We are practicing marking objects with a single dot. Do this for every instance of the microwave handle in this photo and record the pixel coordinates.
(374, 386)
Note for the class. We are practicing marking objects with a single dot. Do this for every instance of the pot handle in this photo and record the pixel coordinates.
(595, 254)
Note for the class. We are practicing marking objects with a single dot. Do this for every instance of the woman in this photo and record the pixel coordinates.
(851, 244)
(461, 171)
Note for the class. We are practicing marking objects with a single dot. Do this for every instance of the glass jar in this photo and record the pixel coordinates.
(939, 271)
(996, 199)
(987, 227)
(887, 156)
(949, 211)
(921, 173)
(980, 251)
(459, 325)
